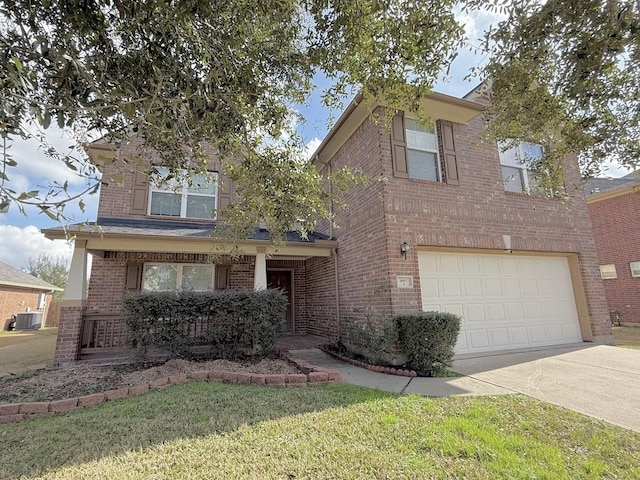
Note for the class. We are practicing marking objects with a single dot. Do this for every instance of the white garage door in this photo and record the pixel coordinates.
(506, 301)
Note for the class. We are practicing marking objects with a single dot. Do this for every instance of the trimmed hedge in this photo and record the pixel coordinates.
(224, 320)
(428, 339)
(375, 341)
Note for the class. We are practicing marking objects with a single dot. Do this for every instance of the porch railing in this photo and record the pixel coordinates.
(102, 331)
(108, 331)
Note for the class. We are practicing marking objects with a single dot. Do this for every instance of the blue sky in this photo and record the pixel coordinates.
(20, 236)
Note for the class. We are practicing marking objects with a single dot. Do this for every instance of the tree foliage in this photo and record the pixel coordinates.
(54, 270)
(178, 74)
(565, 74)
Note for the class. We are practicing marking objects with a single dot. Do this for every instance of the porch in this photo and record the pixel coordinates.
(132, 256)
(104, 340)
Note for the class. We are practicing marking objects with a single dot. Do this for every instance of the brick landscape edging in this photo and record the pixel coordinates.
(402, 372)
(312, 375)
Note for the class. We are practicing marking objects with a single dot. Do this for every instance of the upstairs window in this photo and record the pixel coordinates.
(635, 269)
(193, 197)
(422, 151)
(516, 162)
(165, 277)
(608, 271)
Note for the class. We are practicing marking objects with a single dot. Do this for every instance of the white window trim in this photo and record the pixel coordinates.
(635, 269)
(523, 166)
(436, 151)
(180, 267)
(610, 276)
(184, 193)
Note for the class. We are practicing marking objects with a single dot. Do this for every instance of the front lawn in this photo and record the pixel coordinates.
(215, 430)
(627, 337)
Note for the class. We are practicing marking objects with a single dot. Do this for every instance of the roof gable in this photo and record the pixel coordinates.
(13, 277)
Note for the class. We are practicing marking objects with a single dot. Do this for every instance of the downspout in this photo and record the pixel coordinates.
(329, 166)
(334, 251)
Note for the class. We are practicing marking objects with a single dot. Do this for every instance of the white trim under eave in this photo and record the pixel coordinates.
(615, 192)
(204, 246)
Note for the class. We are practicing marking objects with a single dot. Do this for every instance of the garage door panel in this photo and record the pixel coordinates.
(478, 339)
(532, 310)
(526, 265)
(537, 334)
(429, 287)
(508, 265)
(515, 311)
(474, 313)
(529, 287)
(519, 336)
(472, 287)
(495, 312)
(492, 287)
(555, 332)
(500, 337)
(506, 301)
(449, 264)
(470, 265)
(490, 265)
(450, 287)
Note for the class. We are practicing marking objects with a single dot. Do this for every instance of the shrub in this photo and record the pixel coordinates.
(428, 339)
(375, 341)
(225, 320)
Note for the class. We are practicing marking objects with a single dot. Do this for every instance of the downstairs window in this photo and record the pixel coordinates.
(163, 277)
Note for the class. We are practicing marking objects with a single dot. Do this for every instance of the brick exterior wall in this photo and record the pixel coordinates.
(68, 340)
(321, 297)
(616, 223)
(16, 300)
(474, 214)
(363, 261)
(108, 275)
(118, 182)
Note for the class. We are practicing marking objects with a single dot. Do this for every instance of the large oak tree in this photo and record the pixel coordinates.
(183, 72)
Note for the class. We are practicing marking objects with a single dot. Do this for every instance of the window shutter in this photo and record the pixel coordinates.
(134, 277)
(140, 192)
(224, 194)
(449, 152)
(399, 147)
(222, 277)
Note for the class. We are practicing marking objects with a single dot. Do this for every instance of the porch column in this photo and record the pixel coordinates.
(72, 308)
(77, 282)
(260, 274)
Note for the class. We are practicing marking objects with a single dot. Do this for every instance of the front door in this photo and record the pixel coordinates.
(282, 279)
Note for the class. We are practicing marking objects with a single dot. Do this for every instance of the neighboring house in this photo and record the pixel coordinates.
(21, 292)
(451, 228)
(614, 207)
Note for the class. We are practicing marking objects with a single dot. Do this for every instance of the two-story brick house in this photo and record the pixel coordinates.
(448, 229)
(614, 207)
(453, 228)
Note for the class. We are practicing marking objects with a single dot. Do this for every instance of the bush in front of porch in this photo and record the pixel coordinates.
(228, 322)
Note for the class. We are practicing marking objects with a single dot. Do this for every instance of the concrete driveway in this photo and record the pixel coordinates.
(600, 380)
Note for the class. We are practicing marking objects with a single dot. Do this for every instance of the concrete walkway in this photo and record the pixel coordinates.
(596, 380)
(430, 387)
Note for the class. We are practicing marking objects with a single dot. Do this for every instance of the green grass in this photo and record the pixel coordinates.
(627, 337)
(214, 430)
(22, 349)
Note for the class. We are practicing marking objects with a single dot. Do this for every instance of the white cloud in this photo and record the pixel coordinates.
(613, 169)
(311, 147)
(19, 244)
(40, 169)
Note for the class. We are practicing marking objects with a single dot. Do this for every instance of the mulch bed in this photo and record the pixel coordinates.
(47, 385)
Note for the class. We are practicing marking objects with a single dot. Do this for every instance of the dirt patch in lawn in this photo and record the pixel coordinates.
(47, 385)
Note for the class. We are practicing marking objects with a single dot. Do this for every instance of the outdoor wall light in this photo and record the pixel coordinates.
(404, 249)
